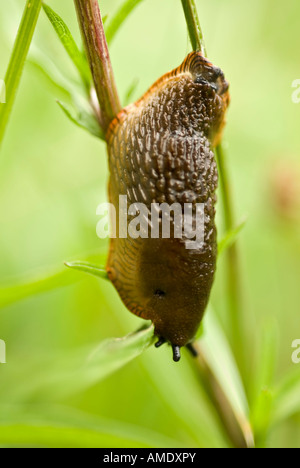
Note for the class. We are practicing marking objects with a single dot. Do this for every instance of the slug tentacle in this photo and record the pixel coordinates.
(176, 353)
(192, 350)
(160, 342)
(161, 154)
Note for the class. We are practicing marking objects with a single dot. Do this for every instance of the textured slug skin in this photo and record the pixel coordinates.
(160, 150)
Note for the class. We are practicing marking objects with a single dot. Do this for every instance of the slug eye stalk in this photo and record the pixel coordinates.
(176, 353)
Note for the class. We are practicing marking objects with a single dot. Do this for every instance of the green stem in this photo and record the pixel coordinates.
(239, 433)
(225, 189)
(233, 266)
(17, 60)
(91, 25)
(193, 24)
(233, 270)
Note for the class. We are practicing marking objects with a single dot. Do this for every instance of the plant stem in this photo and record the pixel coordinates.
(233, 266)
(193, 24)
(238, 431)
(91, 25)
(17, 60)
(233, 275)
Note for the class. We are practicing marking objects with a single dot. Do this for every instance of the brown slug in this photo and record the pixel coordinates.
(161, 151)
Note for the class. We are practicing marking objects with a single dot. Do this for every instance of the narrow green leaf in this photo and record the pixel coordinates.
(41, 281)
(86, 267)
(230, 238)
(112, 354)
(84, 116)
(60, 427)
(83, 119)
(216, 347)
(177, 385)
(262, 382)
(17, 60)
(71, 372)
(37, 284)
(70, 45)
(286, 396)
(52, 74)
(39, 435)
(261, 416)
(119, 18)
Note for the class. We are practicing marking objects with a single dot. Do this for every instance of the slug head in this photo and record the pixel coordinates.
(191, 98)
(207, 95)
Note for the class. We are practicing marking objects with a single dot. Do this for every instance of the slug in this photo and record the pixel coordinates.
(161, 151)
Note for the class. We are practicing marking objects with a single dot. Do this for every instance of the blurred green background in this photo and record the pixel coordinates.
(53, 176)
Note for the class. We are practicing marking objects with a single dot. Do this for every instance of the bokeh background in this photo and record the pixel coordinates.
(53, 176)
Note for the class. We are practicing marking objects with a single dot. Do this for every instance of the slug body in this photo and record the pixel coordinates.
(161, 151)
